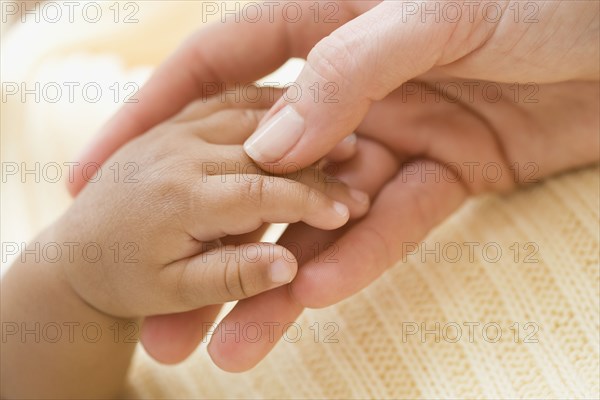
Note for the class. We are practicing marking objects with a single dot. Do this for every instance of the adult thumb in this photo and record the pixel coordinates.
(360, 62)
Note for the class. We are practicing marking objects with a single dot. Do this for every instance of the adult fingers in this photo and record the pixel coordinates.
(266, 316)
(360, 62)
(171, 338)
(404, 212)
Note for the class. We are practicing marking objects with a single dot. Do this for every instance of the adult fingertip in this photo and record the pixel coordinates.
(152, 338)
(229, 357)
(276, 137)
(74, 187)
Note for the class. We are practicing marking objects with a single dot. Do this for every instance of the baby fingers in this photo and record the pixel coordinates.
(233, 204)
(227, 273)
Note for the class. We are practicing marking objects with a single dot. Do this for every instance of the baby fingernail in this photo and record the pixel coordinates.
(276, 137)
(281, 271)
(351, 139)
(359, 196)
(341, 209)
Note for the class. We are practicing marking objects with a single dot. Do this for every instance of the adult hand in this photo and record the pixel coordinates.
(421, 159)
(371, 50)
(357, 52)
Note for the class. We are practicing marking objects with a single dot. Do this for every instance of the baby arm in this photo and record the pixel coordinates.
(152, 246)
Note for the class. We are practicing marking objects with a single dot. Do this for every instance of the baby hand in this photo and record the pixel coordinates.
(189, 185)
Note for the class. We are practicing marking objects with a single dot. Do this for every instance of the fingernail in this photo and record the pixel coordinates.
(341, 209)
(276, 137)
(281, 272)
(350, 139)
(359, 196)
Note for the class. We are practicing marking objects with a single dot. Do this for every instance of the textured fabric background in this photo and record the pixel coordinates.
(388, 344)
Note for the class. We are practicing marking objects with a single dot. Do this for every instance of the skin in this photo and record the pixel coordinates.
(370, 53)
(183, 257)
